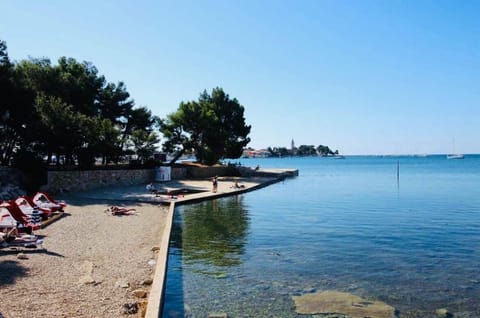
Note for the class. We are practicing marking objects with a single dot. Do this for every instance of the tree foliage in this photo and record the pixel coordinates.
(67, 110)
(8, 136)
(279, 152)
(145, 143)
(302, 151)
(212, 128)
(325, 151)
(64, 131)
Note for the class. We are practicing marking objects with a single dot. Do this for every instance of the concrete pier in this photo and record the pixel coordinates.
(177, 192)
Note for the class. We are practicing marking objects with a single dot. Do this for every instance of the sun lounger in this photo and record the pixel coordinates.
(45, 200)
(7, 221)
(28, 207)
(20, 217)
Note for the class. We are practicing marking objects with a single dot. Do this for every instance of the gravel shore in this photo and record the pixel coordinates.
(90, 264)
(93, 263)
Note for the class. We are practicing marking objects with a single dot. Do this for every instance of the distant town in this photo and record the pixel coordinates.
(293, 151)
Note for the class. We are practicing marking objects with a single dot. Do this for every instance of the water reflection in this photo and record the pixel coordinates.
(215, 232)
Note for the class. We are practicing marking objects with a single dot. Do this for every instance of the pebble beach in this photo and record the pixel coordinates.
(92, 264)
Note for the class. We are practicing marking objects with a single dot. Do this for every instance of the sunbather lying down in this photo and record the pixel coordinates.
(115, 210)
(13, 238)
(8, 236)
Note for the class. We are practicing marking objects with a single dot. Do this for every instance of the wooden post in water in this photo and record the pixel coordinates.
(398, 172)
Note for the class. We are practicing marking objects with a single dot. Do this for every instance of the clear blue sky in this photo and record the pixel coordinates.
(363, 77)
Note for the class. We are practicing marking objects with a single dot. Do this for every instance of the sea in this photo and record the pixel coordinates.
(404, 230)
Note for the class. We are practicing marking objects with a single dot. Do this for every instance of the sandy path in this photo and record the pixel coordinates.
(88, 254)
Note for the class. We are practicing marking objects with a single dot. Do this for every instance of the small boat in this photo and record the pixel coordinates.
(455, 156)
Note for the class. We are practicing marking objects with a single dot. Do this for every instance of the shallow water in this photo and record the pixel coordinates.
(347, 225)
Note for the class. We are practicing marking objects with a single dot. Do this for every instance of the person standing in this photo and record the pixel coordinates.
(215, 184)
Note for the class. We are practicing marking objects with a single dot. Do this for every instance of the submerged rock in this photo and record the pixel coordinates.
(443, 313)
(217, 315)
(334, 302)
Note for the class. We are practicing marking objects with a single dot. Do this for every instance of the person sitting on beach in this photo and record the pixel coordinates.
(8, 236)
(238, 186)
(152, 189)
(14, 238)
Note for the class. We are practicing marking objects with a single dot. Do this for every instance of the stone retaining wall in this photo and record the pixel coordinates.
(59, 181)
(179, 173)
(10, 183)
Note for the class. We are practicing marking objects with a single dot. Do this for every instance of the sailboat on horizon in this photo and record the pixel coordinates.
(455, 155)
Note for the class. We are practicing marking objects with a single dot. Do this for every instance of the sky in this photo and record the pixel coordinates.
(360, 76)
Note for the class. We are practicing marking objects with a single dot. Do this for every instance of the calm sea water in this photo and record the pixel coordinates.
(348, 225)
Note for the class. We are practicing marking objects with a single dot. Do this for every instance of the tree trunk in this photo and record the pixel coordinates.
(176, 157)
